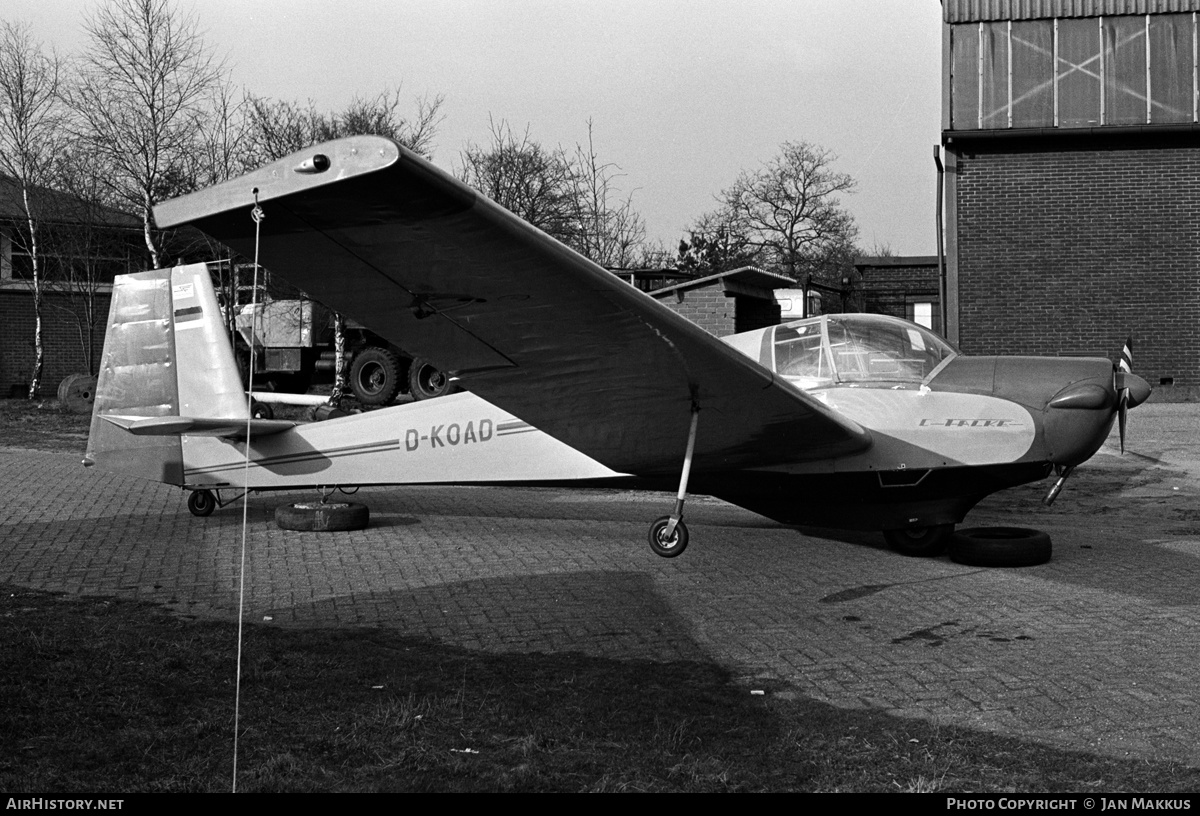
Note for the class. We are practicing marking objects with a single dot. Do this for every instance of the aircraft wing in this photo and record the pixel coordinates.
(384, 237)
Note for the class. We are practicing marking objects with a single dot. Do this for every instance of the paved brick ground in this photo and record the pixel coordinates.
(1097, 650)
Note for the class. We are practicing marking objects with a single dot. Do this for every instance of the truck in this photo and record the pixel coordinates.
(293, 340)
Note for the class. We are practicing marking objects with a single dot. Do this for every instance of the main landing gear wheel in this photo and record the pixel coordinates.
(664, 545)
(322, 517)
(1000, 547)
(920, 542)
(201, 503)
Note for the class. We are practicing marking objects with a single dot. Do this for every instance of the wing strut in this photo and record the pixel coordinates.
(669, 535)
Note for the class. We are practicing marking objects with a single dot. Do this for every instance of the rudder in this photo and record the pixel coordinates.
(165, 354)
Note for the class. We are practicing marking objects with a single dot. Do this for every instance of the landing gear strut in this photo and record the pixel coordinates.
(669, 535)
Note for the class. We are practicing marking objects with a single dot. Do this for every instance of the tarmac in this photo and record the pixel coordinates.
(1097, 650)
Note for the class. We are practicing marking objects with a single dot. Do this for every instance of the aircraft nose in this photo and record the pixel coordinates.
(1079, 417)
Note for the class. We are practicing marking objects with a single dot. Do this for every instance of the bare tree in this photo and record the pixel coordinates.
(573, 198)
(144, 84)
(715, 244)
(276, 128)
(609, 231)
(525, 178)
(222, 140)
(789, 211)
(31, 122)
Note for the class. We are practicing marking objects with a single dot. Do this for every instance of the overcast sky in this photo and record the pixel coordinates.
(683, 94)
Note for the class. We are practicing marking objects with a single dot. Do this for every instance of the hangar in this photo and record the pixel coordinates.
(1073, 180)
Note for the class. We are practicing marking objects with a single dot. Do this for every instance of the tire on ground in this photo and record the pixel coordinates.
(322, 517)
(1000, 547)
(426, 381)
(375, 375)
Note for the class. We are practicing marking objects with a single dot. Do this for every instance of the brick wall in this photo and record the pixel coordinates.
(60, 336)
(722, 313)
(1071, 250)
(706, 306)
(888, 285)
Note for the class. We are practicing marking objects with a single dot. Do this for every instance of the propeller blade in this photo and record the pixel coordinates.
(1124, 367)
(1122, 411)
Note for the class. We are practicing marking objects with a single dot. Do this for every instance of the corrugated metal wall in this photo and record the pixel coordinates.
(968, 11)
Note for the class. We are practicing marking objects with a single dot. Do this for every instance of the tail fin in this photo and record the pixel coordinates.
(165, 355)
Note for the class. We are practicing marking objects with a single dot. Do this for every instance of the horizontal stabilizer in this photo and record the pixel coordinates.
(232, 428)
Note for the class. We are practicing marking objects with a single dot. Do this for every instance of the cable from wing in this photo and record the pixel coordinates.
(256, 214)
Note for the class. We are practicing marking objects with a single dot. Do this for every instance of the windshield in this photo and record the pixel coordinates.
(857, 349)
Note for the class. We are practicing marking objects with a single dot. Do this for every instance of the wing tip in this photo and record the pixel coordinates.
(313, 166)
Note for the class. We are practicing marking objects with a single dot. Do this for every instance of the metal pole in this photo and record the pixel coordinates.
(941, 253)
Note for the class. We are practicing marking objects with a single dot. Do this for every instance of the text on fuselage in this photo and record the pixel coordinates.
(969, 423)
(451, 434)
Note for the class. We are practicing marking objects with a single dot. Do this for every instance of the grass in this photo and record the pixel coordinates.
(110, 695)
(42, 424)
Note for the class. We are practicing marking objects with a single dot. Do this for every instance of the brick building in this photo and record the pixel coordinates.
(731, 302)
(73, 235)
(902, 286)
(1073, 179)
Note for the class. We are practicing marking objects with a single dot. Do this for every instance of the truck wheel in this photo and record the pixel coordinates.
(426, 381)
(375, 376)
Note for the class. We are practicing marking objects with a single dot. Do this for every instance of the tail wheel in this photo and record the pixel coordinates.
(202, 503)
(668, 546)
(375, 376)
(426, 381)
(920, 542)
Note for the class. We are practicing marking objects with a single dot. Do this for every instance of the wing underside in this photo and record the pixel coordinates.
(389, 240)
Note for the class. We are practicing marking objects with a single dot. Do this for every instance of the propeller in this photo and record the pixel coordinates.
(1123, 380)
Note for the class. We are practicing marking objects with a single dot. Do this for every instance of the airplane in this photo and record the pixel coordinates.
(572, 376)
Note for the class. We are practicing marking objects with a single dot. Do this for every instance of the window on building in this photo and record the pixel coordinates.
(1074, 72)
(103, 258)
(924, 312)
(921, 313)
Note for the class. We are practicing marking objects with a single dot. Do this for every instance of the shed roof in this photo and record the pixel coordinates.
(745, 275)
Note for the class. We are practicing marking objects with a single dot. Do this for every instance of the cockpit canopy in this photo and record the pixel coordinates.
(853, 349)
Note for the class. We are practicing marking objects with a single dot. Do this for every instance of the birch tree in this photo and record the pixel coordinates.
(144, 84)
(31, 127)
